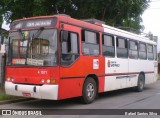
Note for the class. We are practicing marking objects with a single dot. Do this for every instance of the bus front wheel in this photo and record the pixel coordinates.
(89, 91)
(140, 84)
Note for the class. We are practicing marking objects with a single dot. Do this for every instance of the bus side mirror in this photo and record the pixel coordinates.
(64, 35)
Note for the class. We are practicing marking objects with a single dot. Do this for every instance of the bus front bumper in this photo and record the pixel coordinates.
(42, 92)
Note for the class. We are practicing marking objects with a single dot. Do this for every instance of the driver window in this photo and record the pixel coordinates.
(70, 50)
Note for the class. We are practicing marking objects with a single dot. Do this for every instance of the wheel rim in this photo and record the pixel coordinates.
(90, 90)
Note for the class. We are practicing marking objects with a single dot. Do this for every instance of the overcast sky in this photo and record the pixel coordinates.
(151, 20)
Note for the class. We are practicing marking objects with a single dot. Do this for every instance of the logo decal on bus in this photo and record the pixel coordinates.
(95, 63)
(112, 64)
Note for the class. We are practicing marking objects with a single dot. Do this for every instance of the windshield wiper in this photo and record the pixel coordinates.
(36, 35)
(29, 40)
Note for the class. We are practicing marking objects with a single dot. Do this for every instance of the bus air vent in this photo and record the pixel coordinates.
(94, 21)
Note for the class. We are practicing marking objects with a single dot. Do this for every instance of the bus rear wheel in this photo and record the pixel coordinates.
(89, 91)
(141, 83)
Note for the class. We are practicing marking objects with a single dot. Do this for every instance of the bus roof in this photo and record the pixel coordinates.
(95, 26)
(118, 32)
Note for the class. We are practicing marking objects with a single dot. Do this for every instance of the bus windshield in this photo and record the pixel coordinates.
(33, 47)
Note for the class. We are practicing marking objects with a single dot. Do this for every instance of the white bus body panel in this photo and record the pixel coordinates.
(125, 73)
(114, 79)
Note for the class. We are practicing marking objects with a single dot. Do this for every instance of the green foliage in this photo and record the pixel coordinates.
(4, 97)
(150, 35)
(125, 13)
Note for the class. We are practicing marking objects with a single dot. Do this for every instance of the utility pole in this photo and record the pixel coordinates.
(2, 59)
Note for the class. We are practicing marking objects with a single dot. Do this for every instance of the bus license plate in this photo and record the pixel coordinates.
(26, 94)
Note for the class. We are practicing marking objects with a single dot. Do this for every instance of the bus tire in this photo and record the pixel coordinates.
(89, 91)
(140, 83)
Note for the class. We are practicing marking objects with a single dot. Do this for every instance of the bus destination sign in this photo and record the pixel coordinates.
(33, 23)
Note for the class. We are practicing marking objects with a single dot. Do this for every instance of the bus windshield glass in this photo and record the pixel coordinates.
(34, 47)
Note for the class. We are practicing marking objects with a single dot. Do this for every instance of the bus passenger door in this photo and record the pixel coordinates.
(70, 74)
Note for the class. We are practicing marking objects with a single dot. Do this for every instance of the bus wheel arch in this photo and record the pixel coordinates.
(91, 81)
(140, 82)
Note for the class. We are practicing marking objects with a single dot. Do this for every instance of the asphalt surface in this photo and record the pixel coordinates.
(120, 99)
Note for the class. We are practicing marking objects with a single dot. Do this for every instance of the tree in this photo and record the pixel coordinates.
(150, 35)
(126, 13)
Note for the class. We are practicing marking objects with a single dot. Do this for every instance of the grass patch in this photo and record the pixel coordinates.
(3, 97)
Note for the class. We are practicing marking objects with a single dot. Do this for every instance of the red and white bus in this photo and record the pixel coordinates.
(58, 57)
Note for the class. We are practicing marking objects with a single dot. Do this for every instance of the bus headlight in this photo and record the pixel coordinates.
(42, 80)
(51, 81)
(12, 79)
(8, 78)
(48, 81)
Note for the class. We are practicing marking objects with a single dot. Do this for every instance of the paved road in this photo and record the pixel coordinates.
(121, 99)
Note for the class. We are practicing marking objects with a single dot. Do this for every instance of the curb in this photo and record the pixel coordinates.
(16, 100)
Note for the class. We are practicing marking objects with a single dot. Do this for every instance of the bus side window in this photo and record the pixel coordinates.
(90, 43)
(122, 48)
(150, 52)
(133, 49)
(108, 45)
(142, 51)
(70, 49)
